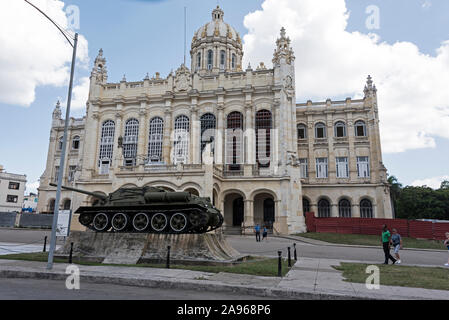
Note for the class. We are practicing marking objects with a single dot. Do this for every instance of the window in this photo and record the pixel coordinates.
(305, 205)
(60, 143)
(234, 61)
(302, 131)
(130, 142)
(210, 60)
(106, 146)
(208, 125)
(72, 170)
(76, 143)
(360, 129)
(67, 204)
(303, 165)
(320, 130)
(363, 167)
(342, 167)
(156, 138)
(234, 140)
(321, 168)
(340, 129)
(344, 208)
(55, 178)
(182, 138)
(51, 205)
(12, 199)
(198, 61)
(14, 186)
(324, 209)
(222, 60)
(366, 209)
(263, 139)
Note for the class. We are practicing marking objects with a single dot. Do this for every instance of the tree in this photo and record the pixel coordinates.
(395, 191)
(444, 185)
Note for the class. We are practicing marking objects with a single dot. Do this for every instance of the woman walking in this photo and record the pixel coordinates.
(386, 239)
(446, 243)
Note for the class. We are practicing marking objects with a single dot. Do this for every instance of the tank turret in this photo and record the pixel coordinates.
(149, 210)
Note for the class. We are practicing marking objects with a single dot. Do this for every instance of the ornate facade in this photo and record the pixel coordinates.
(236, 136)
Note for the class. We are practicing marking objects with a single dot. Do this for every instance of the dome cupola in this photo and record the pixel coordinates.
(216, 46)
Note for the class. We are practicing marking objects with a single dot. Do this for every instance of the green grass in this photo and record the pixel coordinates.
(257, 266)
(370, 240)
(403, 276)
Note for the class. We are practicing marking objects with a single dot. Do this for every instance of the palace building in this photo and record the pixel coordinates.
(236, 136)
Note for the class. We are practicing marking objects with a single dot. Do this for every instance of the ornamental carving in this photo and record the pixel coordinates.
(182, 79)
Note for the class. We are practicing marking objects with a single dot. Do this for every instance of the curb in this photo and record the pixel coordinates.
(328, 244)
(197, 285)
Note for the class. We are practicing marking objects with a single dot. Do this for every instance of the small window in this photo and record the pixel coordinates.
(302, 131)
(198, 57)
(60, 143)
(76, 143)
(303, 165)
(342, 167)
(222, 60)
(14, 186)
(340, 129)
(210, 60)
(234, 61)
(320, 130)
(366, 209)
(12, 199)
(360, 129)
(363, 167)
(321, 168)
(72, 170)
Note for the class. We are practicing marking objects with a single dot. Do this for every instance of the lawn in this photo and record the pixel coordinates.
(258, 266)
(403, 276)
(370, 240)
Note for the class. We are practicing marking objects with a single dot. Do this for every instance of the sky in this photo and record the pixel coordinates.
(403, 44)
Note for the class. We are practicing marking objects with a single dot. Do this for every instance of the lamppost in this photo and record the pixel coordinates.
(64, 139)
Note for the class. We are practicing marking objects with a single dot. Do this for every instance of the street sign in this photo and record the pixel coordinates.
(64, 217)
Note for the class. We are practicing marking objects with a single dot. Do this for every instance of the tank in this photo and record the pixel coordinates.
(149, 210)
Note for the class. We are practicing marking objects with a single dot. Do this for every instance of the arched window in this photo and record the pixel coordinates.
(130, 142)
(156, 138)
(222, 60)
(324, 209)
(76, 143)
(210, 60)
(233, 61)
(320, 130)
(181, 145)
(208, 125)
(360, 129)
(263, 139)
(305, 205)
(106, 146)
(344, 208)
(234, 140)
(302, 131)
(60, 143)
(198, 61)
(366, 209)
(340, 129)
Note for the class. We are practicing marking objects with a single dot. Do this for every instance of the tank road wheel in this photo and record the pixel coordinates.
(198, 220)
(101, 222)
(119, 221)
(86, 219)
(178, 222)
(159, 222)
(141, 222)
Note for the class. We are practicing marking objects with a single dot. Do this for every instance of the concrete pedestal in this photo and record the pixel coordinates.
(133, 248)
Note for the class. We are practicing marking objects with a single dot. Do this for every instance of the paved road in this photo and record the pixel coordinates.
(27, 289)
(248, 245)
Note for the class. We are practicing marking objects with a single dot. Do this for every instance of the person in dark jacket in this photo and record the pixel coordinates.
(386, 240)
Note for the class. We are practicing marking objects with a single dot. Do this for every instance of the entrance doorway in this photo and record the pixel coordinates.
(238, 212)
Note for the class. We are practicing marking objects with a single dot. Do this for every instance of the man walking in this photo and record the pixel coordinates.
(386, 235)
(257, 230)
(397, 244)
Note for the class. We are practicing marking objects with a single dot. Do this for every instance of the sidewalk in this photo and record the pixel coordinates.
(308, 279)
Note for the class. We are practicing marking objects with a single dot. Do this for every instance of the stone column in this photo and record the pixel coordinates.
(167, 137)
(220, 139)
(90, 150)
(194, 137)
(117, 152)
(249, 213)
(143, 122)
(250, 134)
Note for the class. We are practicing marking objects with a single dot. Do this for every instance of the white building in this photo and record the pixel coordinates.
(12, 189)
(237, 136)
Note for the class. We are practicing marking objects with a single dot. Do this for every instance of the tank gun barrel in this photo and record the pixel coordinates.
(96, 195)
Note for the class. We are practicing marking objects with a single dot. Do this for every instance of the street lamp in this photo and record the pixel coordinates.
(64, 139)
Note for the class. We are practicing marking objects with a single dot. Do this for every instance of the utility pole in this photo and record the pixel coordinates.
(64, 139)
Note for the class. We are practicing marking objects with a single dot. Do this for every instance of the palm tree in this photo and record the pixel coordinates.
(395, 191)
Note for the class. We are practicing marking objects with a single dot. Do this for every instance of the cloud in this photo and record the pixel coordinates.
(32, 187)
(80, 95)
(434, 183)
(332, 62)
(426, 4)
(34, 53)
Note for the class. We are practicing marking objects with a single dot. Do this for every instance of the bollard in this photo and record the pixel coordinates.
(168, 257)
(289, 258)
(71, 253)
(280, 264)
(294, 252)
(45, 244)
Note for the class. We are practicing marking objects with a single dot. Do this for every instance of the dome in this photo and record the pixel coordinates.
(217, 28)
